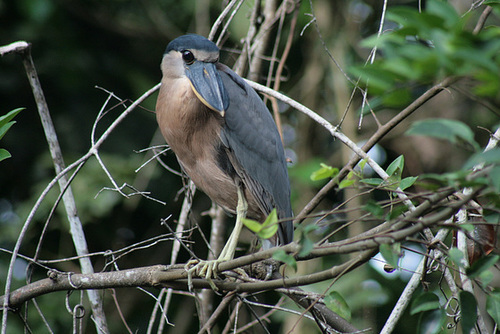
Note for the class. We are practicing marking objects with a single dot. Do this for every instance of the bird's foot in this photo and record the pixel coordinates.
(206, 269)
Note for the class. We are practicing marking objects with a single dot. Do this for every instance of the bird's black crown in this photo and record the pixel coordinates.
(191, 42)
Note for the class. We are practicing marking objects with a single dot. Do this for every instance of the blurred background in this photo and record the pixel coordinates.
(118, 45)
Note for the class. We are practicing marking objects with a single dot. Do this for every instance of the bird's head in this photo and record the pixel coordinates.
(195, 57)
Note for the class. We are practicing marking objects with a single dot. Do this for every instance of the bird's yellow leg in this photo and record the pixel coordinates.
(209, 269)
(241, 213)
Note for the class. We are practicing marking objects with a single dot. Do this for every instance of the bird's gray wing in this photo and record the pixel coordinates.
(252, 139)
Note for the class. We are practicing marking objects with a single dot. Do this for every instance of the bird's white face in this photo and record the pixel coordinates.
(172, 65)
(205, 56)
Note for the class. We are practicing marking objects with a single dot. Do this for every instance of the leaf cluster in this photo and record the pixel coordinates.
(426, 47)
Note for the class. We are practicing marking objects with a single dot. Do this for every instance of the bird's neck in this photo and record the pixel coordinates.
(185, 122)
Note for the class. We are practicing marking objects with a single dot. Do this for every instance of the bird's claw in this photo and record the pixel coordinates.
(207, 269)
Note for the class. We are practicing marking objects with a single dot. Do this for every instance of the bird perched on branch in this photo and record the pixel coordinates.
(224, 138)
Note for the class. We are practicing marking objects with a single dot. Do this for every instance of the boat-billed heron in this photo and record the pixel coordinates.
(224, 138)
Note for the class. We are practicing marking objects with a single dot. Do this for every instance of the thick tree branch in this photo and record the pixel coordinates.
(175, 276)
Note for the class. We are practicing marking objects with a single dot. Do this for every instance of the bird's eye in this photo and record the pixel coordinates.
(188, 57)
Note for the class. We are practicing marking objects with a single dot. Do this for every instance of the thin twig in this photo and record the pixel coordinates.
(482, 20)
(215, 315)
(325, 47)
(371, 59)
(219, 20)
(279, 70)
(272, 309)
(261, 40)
(226, 25)
(181, 227)
(120, 313)
(217, 231)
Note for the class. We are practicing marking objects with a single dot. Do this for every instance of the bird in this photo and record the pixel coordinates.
(225, 140)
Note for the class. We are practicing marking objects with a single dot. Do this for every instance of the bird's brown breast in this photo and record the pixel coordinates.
(192, 132)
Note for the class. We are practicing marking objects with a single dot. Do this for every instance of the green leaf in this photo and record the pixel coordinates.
(483, 264)
(324, 172)
(305, 242)
(495, 177)
(407, 182)
(425, 302)
(9, 116)
(348, 181)
(372, 181)
(282, 256)
(5, 124)
(456, 256)
(4, 154)
(391, 253)
(265, 230)
(488, 157)
(493, 306)
(252, 225)
(444, 10)
(486, 277)
(492, 217)
(4, 128)
(362, 164)
(447, 129)
(468, 310)
(374, 208)
(271, 219)
(446, 178)
(397, 98)
(467, 227)
(309, 228)
(270, 226)
(374, 104)
(432, 322)
(335, 302)
(307, 246)
(488, 83)
(394, 171)
(378, 78)
(397, 164)
(419, 22)
(268, 232)
(396, 211)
